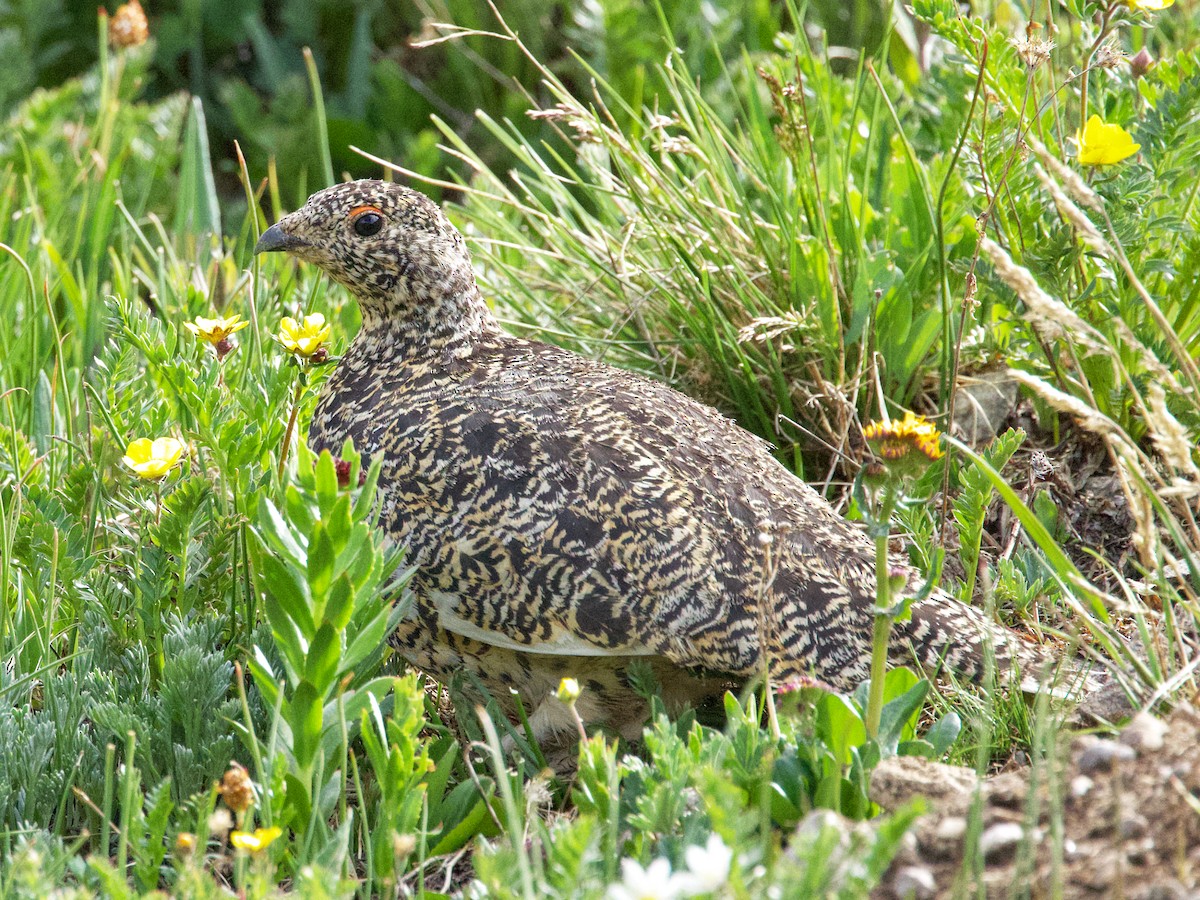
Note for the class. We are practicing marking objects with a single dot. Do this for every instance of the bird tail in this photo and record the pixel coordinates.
(944, 633)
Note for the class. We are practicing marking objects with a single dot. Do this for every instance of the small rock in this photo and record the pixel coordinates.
(1098, 755)
(1009, 790)
(982, 403)
(914, 883)
(1144, 732)
(897, 779)
(1081, 785)
(1104, 705)
(1000, 841)
(1164, 890)
(951, 828)
(945, 841)
(1132, 825)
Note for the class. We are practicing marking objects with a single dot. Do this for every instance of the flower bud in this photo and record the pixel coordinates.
(237, 789)
(1141, 63)
(568, 691)
(128, 26)
(185, 844)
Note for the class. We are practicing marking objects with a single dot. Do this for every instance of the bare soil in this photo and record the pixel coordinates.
(1120, 818)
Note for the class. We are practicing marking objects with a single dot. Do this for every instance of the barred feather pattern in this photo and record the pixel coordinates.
(569, 518)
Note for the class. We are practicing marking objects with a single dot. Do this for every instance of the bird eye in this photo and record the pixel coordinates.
(368, 224)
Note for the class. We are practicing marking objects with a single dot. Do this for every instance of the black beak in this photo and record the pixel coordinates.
(275, 238)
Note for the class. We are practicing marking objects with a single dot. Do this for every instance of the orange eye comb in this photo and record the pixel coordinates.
(359, 210)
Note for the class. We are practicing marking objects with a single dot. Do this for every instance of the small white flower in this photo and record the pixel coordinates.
(655, 882)
(707, 867)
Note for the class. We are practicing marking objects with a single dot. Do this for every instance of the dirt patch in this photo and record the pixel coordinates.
(1127, 810)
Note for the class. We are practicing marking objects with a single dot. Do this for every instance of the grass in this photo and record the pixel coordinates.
(806, 250)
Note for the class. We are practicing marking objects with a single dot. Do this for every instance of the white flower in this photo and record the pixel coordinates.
(707, 868)
(655, 882)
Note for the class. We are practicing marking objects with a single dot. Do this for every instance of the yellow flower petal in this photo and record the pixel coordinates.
(153, 459)
(215, 330)
(303, 338)
(895, 440)
(260, 839)
(1104, 143)
(1149, 5)
(568, 690)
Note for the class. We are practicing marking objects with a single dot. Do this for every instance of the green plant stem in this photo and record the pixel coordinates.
(314, 81)
(128, 787)
(883, 618)
(1087, 63)
(106, 801)
(291, 427)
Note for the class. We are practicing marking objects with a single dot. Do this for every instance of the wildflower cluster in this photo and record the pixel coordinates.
(894, 441)
(128, 26)
(707, 872)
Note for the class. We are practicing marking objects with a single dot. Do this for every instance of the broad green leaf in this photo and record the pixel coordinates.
(285, 585)
(304, 715)
(320, 566)
(321, 667)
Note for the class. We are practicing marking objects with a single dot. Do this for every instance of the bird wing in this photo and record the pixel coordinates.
(607, 515)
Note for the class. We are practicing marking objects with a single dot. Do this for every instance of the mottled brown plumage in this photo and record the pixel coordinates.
(567, 517)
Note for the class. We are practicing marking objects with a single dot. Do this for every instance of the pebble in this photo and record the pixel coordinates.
(1000, 840)
(1099, 755)
(1081, 785)
(1144, 732)
(914, 883)
(946, 840)
(1132, 825)
(1071, 850)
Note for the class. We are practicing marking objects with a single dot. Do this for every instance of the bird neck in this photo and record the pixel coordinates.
(425, 323)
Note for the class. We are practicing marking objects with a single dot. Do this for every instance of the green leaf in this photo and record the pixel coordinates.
(299, 801)
(326, 483)
(840, 726)
(900, 714)
(339, 607)
(321, 667)
(275, 533)
(198, 209)
(371, 639)
(366, 494)
(944, 732)
(284, 584)
(43, 413)
(304, 715)
(321, 559)
(476, 822)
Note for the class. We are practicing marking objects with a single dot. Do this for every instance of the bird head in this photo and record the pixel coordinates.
(391, 247)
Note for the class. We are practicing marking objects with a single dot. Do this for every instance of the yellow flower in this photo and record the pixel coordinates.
(128, 26)
(215, 330)
(303, 338)
(895, 440)
(153, 459)
(1102, 143)
(259, 840)
(568, 691)
(1149, 5)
